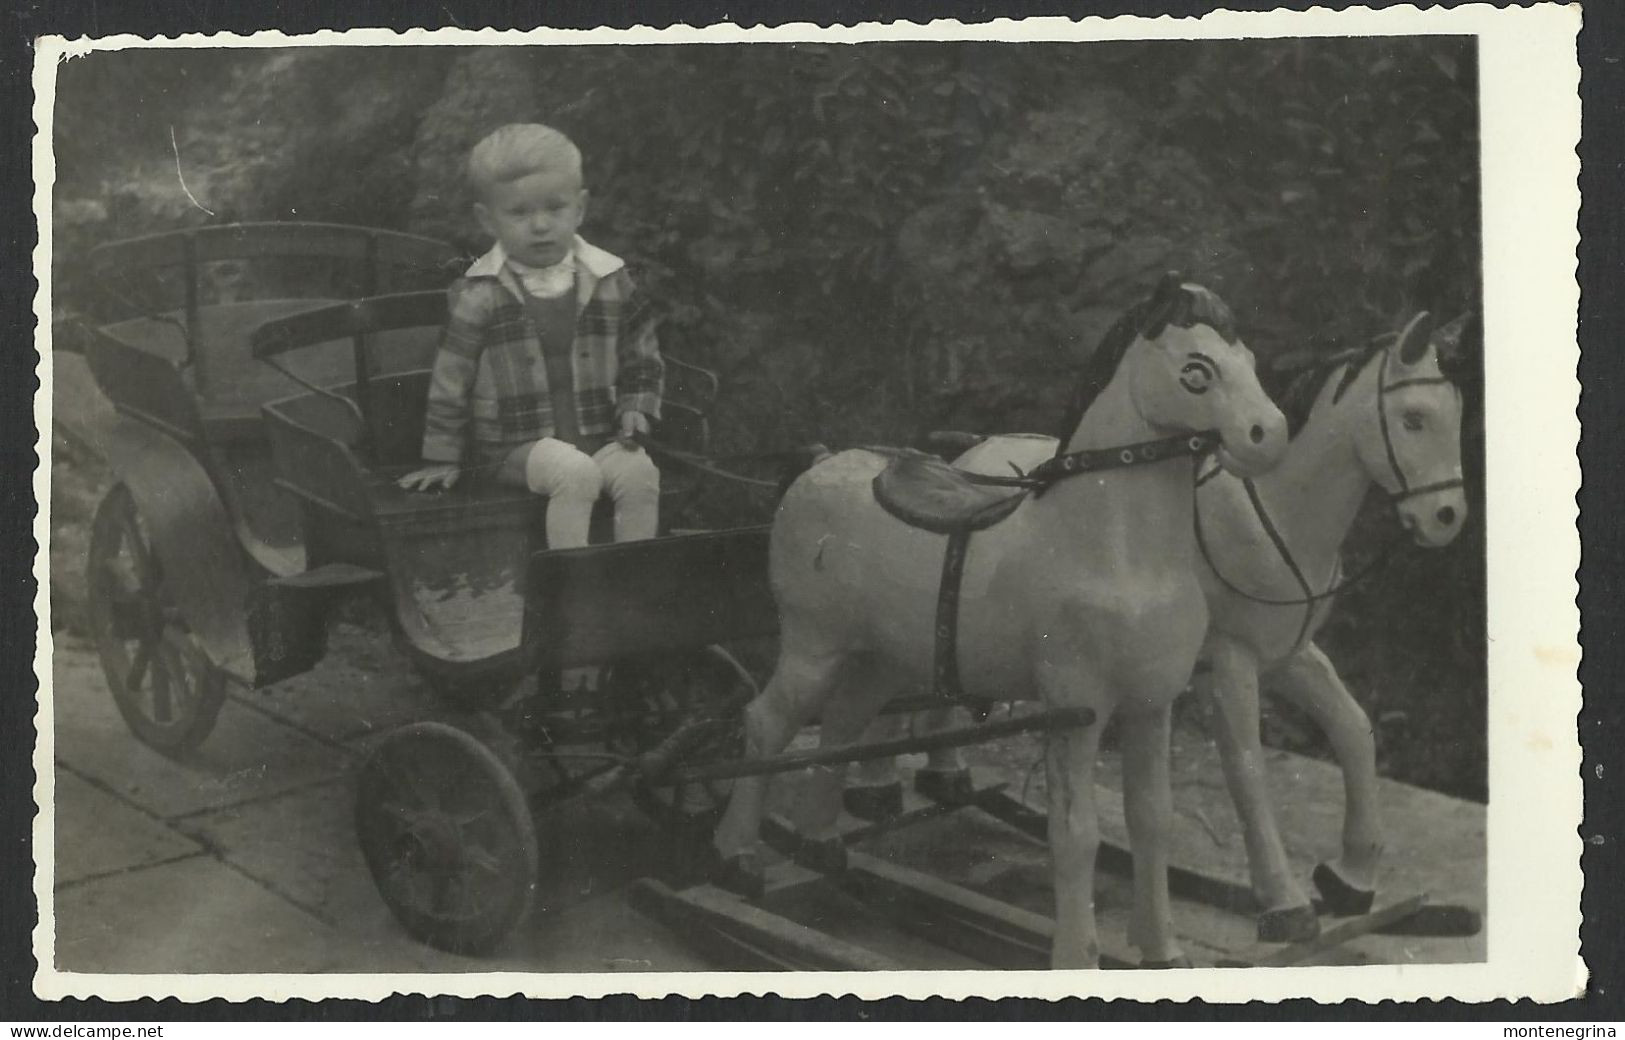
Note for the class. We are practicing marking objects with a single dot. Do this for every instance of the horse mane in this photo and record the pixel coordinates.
(1297, 401)
(1194, 305)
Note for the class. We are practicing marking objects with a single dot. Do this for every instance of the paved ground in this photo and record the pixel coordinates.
(241, 858)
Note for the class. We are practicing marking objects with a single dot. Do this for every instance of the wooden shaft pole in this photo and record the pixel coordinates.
(1046, 721)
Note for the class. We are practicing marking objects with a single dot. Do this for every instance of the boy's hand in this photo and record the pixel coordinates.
(442, 475)
(632, 424)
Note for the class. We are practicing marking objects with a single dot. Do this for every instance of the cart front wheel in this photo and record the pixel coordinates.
(448, 837)
(162, 682)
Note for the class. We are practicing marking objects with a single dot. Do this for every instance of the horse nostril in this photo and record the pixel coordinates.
(1256, 433)
(1447, 515)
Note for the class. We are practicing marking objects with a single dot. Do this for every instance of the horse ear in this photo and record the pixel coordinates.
(1447, 337)
(1413, 342)
(1163, 307)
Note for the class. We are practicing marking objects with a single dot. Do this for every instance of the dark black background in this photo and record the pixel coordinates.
(1602, 334)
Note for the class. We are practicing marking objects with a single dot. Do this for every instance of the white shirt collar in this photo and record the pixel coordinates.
(598, 263)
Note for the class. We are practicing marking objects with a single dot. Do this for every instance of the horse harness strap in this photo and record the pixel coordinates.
(1092, 460)
(946, 660)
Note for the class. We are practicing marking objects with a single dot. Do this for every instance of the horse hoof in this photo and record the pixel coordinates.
(825, 855)
(946, 786)
(1180, 961)
(1291, 924)
(1340, 897)
(742, 875)
(876, 803)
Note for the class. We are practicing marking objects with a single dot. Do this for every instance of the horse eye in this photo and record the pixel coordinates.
(1413, 421)
(1195, 376)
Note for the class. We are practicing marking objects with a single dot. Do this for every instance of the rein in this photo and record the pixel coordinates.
(1310, 597)
(706, 465)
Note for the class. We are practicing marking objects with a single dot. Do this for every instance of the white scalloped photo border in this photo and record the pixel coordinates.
(1530, 119)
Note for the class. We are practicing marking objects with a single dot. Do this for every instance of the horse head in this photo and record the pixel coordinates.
(1409, 439)
(1194, 373)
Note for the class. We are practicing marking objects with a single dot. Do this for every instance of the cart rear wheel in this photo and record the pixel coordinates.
(448, 836)
(161, 680)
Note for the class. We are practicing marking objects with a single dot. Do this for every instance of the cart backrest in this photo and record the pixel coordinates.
(389, 338)
(177, 273)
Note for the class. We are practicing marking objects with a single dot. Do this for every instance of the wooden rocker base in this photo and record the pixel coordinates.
(733, 930)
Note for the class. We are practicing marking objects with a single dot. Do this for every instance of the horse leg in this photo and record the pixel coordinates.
(801, 682)
(849, 714)
(1074, 823)
(1286, 914)
(944, 777)
(876, 792)
(1148, 808)
(1310, 681)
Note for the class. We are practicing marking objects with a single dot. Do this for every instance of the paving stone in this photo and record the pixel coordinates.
(249, 755)
(99, 834)
(195, 915)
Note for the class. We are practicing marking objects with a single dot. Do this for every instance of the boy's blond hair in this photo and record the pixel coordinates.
(518, 150)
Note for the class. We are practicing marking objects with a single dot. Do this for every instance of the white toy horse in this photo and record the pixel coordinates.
(1269, 569)
(1085, 596)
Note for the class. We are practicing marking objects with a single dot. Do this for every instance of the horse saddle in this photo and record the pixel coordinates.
(923, 491)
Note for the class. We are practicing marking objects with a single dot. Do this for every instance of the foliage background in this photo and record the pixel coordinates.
(870, 241)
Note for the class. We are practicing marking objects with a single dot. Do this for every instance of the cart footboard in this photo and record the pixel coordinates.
(678, 593)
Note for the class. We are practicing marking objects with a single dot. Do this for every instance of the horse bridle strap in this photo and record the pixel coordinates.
(1384, 388)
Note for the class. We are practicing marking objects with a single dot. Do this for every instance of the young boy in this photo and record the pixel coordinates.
(549, 356)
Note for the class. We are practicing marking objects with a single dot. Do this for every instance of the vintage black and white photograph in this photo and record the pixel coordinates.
(928, 505)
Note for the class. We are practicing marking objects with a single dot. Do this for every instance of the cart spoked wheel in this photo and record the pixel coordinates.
(710, 687)
(448, 837)
(163, 683)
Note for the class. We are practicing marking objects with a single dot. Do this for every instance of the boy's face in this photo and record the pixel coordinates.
(534, 217)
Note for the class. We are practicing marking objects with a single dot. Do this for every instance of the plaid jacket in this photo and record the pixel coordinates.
(490, 382)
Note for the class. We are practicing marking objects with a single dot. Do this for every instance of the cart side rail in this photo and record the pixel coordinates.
(314, 465)
(147, 388)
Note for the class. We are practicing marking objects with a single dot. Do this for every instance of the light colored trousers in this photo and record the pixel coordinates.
(573, 480)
